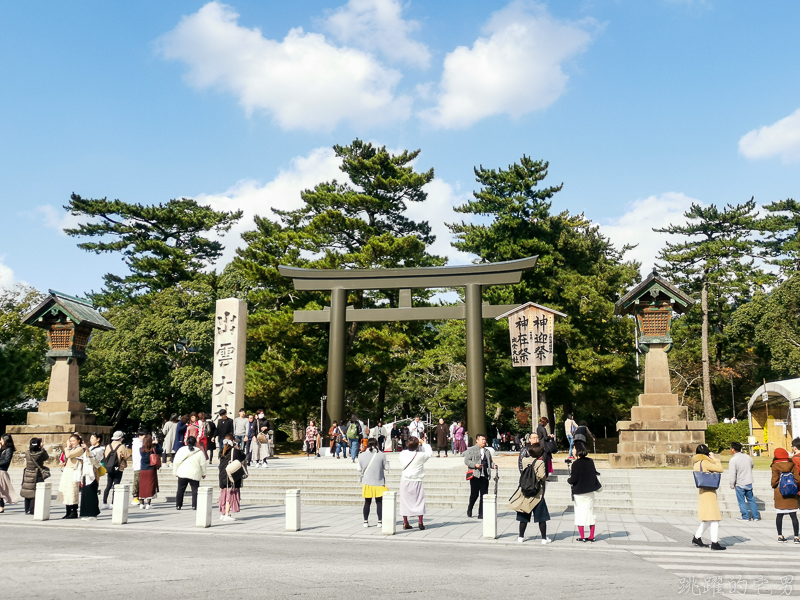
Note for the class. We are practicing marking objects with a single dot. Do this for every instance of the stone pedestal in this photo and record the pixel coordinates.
(659, 433)
(41, 505)
(62, 413)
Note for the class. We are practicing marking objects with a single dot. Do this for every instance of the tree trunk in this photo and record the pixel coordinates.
(295, 435)
(708, 406)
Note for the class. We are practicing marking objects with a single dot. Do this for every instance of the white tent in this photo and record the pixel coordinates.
(788, 391)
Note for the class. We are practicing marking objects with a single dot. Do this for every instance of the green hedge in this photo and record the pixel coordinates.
(720, 436)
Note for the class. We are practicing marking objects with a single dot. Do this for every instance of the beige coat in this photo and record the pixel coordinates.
(707, 505)
(68, 489)
(520, 503)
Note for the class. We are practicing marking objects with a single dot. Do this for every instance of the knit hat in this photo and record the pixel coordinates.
(118, 435)
(781, 454)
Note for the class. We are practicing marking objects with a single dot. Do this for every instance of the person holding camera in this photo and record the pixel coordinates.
(479, 460)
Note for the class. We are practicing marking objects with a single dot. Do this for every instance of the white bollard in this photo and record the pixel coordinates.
(389, 523)
(119, 504)
(490, 517)
(41, 506)
(292, 510)
(205, 504)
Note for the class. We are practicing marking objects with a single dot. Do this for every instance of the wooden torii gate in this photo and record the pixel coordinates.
(471, 277)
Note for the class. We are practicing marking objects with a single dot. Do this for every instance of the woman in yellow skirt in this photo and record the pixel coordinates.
(373, 465)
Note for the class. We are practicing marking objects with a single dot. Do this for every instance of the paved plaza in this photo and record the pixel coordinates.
(160, 552)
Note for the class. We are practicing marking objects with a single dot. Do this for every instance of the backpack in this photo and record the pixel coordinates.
(787, 485)
(529, 484)
(352, 431)
(210, 428)
(111, 464)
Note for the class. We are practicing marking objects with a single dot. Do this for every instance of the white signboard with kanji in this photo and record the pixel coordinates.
(531, 328)
(230, 339)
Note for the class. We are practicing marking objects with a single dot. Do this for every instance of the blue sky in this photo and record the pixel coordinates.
(640, 107)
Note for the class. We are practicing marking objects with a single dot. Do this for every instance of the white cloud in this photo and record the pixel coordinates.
(303, 81)
(282, 193)
(782, 138)
(438, 210)
(378, 25)
(636, 226)
(6, 276)
(58, 218)
(515, 69)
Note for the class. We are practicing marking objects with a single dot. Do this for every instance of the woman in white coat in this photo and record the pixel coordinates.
(189, 466)
(70, 484)
(412, 494)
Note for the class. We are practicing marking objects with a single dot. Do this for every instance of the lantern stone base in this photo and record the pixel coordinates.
(659, 433)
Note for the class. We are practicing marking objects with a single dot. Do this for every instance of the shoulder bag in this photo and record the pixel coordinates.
(155, 460)
(706, 480)
(369, 464)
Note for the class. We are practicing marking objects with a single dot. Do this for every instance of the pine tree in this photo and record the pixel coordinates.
(782, 226)
(717, 261)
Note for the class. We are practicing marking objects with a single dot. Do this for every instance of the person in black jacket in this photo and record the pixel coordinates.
(230, 484)
(224, 427)
(584, 482)
(547, 441)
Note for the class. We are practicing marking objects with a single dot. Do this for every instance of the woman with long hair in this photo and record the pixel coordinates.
(189, 467)
(707, 504)
(35, 472)
(91, 459)
(412, 493)
(169, 430)
(69, 486)
(546, 440)
(584, 482)
(148, 474)
(373, 465)
(311, 440)
(192, 428)
(782, 465)
(180, 432)
(231, 475)
(7, 450)
(202, 442)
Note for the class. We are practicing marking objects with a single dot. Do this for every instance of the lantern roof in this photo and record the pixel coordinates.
(653, 287)
(57, 305)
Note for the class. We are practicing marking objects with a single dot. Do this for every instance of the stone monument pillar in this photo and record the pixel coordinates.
(69, 323)
(659, 432)
(230, 342)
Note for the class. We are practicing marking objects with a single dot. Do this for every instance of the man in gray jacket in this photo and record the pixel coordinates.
(479, 459)
(740, 470)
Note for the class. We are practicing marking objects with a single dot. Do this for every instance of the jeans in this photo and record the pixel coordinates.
(239, 439)
(478, 486)
(354, 448)
(747, 502)
(495, 444)
(341, 446)
(571, 441)
(182, 483)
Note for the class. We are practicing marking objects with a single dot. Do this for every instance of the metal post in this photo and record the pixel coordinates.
(336, 346)
(534, 399)
(476, 398)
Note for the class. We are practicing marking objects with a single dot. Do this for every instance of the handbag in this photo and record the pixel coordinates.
(706, 480)
(470, 474)
(155, 460)
(45, 471)
(305, 445)
(101, 470)
(262, 438)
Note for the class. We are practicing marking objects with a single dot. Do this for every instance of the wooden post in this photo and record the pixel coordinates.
(534, 398)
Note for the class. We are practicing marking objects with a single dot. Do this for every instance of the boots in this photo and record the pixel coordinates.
(716, 546)
(699, 542)
(72, 512)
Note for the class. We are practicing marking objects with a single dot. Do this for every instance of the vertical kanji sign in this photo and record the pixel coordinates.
(531, 328)
(230, 339)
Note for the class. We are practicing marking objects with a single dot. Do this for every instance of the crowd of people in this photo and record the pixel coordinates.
(240, 443)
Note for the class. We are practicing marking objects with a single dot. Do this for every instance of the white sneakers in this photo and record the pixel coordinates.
(520, 540)
(546, 541)
(366, 524)
(226, 518)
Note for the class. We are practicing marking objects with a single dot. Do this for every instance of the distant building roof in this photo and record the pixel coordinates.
(654, 286)
(76, 310)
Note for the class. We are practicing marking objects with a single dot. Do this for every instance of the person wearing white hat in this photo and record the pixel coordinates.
(115, 461)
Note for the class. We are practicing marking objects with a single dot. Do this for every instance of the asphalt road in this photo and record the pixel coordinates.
(65, 563)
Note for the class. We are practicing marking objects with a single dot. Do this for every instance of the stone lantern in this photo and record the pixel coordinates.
(659, 432)
(69, 323)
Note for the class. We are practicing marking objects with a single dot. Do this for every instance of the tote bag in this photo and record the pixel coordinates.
(706, 480)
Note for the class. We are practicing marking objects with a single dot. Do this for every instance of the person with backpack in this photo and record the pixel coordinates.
(339, 440)
(707, 504)
(740, 472)
(189, 467)
(528, 500)
(569, 428)
(373, 465)
(785, 481)
(115, 461)
(355, 429)
(584, 482)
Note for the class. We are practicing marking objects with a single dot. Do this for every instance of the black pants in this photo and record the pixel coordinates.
(182, 483)
(29, 505)
(779, 523)
(378, 506)
(90, 506)
(112, 479)
(478, 486)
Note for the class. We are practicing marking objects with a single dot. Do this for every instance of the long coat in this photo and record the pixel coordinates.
(68, 488)
(442, 432)
(707, 504)
(518, 501)
(169, 430)
(790, 502)
(34, 461)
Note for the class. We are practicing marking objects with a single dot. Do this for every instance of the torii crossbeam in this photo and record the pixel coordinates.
(471, 277)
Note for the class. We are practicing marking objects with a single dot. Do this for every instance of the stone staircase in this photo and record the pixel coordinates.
(664, 492)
